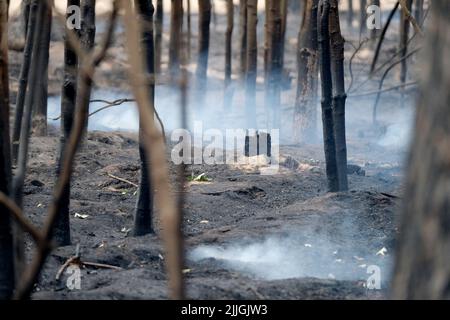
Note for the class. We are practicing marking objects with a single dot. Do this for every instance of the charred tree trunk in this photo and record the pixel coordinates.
(189, 29)
(25, 15)
(266, 38)
(284, 19)
(68, 102)
(252, 62)
(404, 37)
(243, 35)
(18, 181)
(30, 101)
(6, 238)
(34, 94)
(61, 231)
(305, 115)
(350, 13)
(176, 19)
(229, 52)
(203, 48)
(159, 23)
(23, 79)
(144, 206)
(339, 95)
(273, 89)
(88, 30)
(39, 123)
(327, 95)
(423, 256)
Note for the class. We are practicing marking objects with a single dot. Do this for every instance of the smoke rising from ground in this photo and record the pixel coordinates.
(292, 256)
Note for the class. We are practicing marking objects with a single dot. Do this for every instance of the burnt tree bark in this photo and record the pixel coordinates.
(25, 15)
(266, 37)
(23, 79)
(229, 52)
(274, 67)
(30, 100)
(39, 123)
(189, 29)
(339, 95)
(423, 247)
(327, 95)
(68, 102)
(176, 19)
(33, 94)
(305, 114)
(19, 178)
(88, 30)
(252, 63)
(243, 36)
(284, 20)
(144, 205)
(203, 47)
(159, 23)
(6, 238)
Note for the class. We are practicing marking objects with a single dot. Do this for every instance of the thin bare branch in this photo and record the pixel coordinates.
(382, 36)
(411, 19)
(371, 93)
(18, 216)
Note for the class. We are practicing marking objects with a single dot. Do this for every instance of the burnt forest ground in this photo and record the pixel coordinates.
(248, 236)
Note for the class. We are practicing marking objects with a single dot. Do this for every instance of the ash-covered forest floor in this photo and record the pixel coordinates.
(248, 236)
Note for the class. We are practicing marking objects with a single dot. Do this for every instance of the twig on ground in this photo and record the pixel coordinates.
(100, 265)
(122, 180)
(77, 260)
(71, 260)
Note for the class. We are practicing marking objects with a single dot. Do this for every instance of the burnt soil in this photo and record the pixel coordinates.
(237, 205)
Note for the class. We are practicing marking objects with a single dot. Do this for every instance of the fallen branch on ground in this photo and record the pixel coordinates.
(76, 259)
(122, 180)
